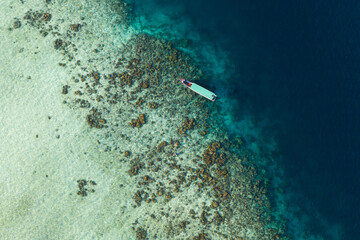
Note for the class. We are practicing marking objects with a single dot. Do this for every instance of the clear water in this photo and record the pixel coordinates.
(294, 72)
(287, 79)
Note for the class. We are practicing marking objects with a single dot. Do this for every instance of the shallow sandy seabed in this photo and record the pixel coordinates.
(100, 141)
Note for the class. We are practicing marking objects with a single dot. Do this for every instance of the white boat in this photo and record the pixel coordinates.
(199, 89)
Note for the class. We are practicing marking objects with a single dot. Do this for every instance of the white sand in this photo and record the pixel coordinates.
(46, 146)
(42, 158)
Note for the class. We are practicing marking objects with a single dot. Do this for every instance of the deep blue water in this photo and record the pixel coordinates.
(303, 70)
(297, 68)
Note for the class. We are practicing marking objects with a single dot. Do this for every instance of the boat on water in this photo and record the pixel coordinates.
(199, 89)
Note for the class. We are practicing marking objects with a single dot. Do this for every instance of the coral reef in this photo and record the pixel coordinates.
(185, 177)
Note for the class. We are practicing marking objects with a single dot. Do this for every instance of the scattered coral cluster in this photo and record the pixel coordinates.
(191, 181)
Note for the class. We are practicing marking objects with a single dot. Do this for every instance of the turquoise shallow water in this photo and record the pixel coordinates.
(106, 143)
(101, 141)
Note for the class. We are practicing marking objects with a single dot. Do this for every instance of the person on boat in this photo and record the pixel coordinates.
(187, 83)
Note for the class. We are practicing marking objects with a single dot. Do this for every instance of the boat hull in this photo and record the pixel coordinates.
(199, 90)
